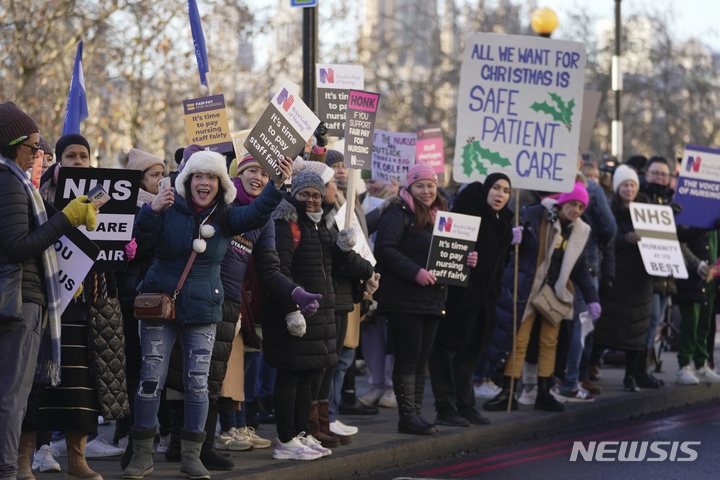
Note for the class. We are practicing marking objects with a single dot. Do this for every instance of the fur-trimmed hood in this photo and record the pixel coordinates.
(207, 162)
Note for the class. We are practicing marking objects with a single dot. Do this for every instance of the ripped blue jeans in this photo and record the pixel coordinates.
(156, 341)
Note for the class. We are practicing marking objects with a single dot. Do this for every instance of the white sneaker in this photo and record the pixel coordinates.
(341, 429)
(370, 398)
(486, 389)
(43, 460)
(162, 445)
(228, 441)
(527, 397)
(313, 443)
(686, 376)
(555, 392)
(100, 448)
(59, 446)
(388, 399)
(706, 374)
(248, 434)
(294, 450)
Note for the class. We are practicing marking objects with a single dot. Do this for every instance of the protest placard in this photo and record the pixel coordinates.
(238, 139)
(430, 149)
(659, 246)
(361, 247)
(76, 255)
(519, 108)
(392, 155)
(454, 237)
(206, 123)
(335, 82)
(698, 187)
(282, 130)
(359, 127)
(115, 220)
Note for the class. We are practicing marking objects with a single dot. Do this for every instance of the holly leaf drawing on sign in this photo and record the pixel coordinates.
(474, 153)
(562, 113)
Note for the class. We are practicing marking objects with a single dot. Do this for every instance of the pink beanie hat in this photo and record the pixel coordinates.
(421, 171)
(578, 193)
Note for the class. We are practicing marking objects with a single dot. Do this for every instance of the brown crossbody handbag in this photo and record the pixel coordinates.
(161, 306)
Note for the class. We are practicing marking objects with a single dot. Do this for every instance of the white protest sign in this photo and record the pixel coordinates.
(361, 247)
(519, 109)
(392, 155)
(454, 237)
(659, 246)
(75, 256)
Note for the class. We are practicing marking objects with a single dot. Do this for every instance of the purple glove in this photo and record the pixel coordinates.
(517, 235)
(131, 249)
(307, 302)
(595, 310)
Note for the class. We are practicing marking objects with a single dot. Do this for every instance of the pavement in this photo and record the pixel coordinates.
(378, 445)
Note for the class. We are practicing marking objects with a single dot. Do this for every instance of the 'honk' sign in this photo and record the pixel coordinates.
(659, 246)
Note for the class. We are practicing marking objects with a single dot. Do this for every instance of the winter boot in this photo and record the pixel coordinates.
(210, 457)
(350, 405)
(409, 422)
(190, 446)
(327, 440)
(25, 449)
(500, 402)
(127, 456)
(77, 465)
(142, 453)
(642, 377)
(545, 400)
(419, 392)
(176, 419)
(324, 423)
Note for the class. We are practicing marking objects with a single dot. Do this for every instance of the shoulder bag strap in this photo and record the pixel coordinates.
(184, 275)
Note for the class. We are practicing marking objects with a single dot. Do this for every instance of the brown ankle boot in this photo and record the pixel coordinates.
(25, 449)
(77, 465)
(324, 421)
(327, 441)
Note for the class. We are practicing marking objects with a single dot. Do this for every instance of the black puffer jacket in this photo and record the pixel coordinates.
(21, 241)
(627, 305)
(311, 265)
(401, 253)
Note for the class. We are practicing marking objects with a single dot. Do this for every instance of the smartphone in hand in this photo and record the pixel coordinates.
(164, 183)
(98, 196)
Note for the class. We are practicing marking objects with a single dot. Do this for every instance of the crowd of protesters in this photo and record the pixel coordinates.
(273, 304)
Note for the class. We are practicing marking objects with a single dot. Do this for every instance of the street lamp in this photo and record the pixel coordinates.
(544, 21)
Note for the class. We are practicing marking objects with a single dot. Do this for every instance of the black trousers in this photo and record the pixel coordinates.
(292, 397)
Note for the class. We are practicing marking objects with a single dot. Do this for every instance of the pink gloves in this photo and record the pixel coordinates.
(517, 235)
(130, 249)
(472, 259)
(425, 278)
(308, 302)
(595, 310)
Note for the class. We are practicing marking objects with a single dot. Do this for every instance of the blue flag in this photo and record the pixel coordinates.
(198, 41)
(77, 109)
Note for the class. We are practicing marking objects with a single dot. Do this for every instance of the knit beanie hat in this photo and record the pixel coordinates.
(206, 161)
(322, 170)
(239, 166)
(307, 179)
(67, 140)
(187, 153)
(622, 174)
(136, 159)
(15, 124)
(332, 157)
(578, 193)
(421, 171)
(45, 146)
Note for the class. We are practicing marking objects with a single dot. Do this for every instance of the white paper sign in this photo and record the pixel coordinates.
(361, 247)
(659, 246)
(519, 109)
(73, 265)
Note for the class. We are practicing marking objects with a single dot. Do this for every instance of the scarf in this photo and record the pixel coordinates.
(144, 197)
(49, 361)
(405, 195)
(242, 195)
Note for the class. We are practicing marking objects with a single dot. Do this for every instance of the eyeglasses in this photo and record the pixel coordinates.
(305, 195)
(33, 149)
(658, 174)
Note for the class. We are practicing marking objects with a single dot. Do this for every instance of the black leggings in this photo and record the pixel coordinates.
(293, 393)
(412, 335)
